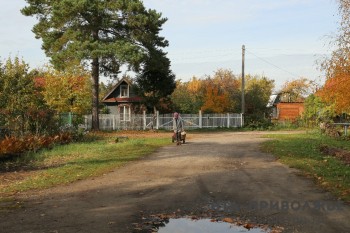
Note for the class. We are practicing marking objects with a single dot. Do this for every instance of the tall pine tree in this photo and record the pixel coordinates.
(102, 34)
(156, 81)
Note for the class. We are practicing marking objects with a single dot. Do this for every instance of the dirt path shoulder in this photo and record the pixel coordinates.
(221, 174)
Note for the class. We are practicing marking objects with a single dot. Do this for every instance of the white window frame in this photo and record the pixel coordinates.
(126, 114)
(124, 88)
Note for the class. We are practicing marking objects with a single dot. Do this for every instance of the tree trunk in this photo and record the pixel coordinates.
(95, 96)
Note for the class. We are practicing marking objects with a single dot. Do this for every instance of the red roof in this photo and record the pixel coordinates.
(123, 100)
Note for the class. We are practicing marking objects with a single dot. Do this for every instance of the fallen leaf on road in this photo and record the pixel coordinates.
(248, 226)
(228, 220)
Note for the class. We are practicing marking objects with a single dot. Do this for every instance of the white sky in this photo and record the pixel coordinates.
(283, 38)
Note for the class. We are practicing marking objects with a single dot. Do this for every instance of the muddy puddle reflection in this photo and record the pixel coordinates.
(185, 225)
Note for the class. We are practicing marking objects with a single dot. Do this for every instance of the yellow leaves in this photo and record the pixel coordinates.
(194, 85)
(297, 89)
(68, 91)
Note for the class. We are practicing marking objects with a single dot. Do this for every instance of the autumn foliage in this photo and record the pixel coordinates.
(336, 92)
(213, 94)
(221, 93)
(214, 101)
(296, 90)
(68, 91)
(15, 146)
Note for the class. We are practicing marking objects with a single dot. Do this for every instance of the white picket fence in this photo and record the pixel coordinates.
(164, 121)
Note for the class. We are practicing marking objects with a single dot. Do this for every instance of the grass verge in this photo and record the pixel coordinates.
(68, 163)
(302, 151)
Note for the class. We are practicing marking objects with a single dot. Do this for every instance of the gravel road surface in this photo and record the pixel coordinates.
(216, 174)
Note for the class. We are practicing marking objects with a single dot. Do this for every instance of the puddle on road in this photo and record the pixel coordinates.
(185, 225)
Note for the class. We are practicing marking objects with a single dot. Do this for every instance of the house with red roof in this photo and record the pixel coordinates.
(123, 101)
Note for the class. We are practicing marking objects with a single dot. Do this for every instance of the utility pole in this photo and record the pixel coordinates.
(243, 81)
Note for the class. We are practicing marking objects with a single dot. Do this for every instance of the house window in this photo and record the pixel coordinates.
(125, 113)
(124, 91)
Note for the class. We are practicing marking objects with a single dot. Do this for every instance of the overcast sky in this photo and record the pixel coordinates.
(283, 38)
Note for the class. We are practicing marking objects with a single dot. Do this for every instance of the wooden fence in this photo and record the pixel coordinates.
(164, 121)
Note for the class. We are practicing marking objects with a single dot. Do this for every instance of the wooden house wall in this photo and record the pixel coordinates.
(289, 111)
(116, 92)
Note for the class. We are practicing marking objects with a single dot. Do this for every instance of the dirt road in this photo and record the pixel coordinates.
(221, 174)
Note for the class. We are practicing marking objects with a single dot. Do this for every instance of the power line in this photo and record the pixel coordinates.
(226, 55)
(201, 57)
(205, 55)
(266, 61)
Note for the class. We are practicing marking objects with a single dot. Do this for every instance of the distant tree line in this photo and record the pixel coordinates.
(221, 93)
(84, 41)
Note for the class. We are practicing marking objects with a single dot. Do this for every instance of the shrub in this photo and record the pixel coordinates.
(4, 132)
(257, 122)
(12, 146)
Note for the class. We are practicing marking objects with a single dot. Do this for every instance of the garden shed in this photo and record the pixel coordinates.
(284, 110)
(289, 111)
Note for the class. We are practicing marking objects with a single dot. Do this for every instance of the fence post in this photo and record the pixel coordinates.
(86, 122)
(242, 120)
(144, 120)
(200, 119)
(346, 130)
(228, 120)
(70, 118)
(157, 120)
(113, 125)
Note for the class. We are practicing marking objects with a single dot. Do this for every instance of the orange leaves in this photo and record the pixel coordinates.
(336, 67)
(215, 101)
(222, 93)
(229, 220)
(215, 94)
(336, 91)
(10, 146)
(16, 146)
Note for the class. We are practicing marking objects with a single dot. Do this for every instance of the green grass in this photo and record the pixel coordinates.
(302, 151)
(76, 161)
